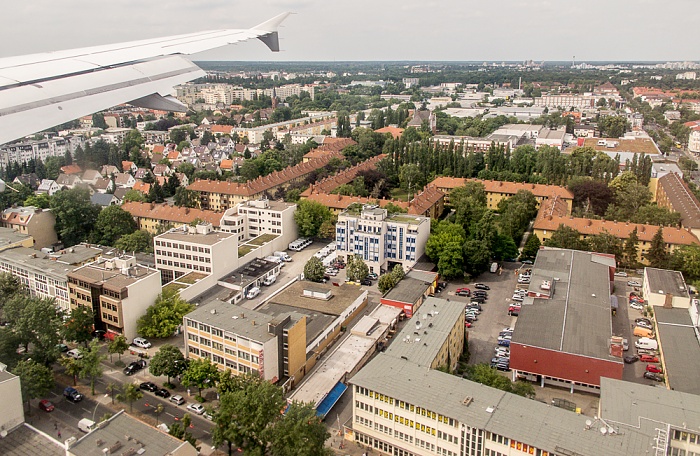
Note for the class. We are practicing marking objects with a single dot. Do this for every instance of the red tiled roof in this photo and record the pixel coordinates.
(142, 187)
(71, 169)
(174, 155)
(170, 213)
(682, 199)
(395, 131)
(621, 230)
(158, 149)
(345, 176)
(222, 129)
(226, 164)
(426, 199)
(126, 165)
(510, 188)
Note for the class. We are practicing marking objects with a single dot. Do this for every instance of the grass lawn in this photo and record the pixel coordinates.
(262, 239)
(173, 287)
(245, 250)
(399, 194)
(191, 278)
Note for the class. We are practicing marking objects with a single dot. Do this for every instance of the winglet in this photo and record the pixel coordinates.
(271, 39)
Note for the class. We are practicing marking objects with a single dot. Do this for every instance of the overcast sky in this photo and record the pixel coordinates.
(328, 30)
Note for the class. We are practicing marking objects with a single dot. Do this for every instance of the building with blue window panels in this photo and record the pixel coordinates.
(380, 239)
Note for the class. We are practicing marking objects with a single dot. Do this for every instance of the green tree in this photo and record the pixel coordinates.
(356, 269)
(42, 200)
(657, 255)
(200, 373)
(98, 121)
(314, 270)
(300, 432)
(130, 394)
(566, 238)
(186, 198)
(411, 177)
(246, 414)
(113, 222)
(606, 243)
(327, 229)
(687, 260)
(75, 215)
(386, 282)
(476, 256)
(630, 251)
(134, 195)
(523, 388)
(72, 367)
(9, 287)
(398, 273)
(487, 375)
(36, 380)
(469, 202)
(180, 430)
(117, 346)
(168, 361)
(532, 247)
(80, 325)
(164, 316)
(309, 217)
(36, 322)
(91, 363)
(504, 247)
(444, 247)
(112, 388)
(138, 241)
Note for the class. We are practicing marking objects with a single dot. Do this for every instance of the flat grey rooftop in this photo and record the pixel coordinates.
(129, 433)
(25, 440)
(549, 428)
(36, 261)
(249, 272)
(236, 319)
(577, 318)
(421, 338)
(342, 297)
(680, 348)
(316, 322)
(634, 404)
(667, 282)
(9, 236)
(211, 238)
(408, 290)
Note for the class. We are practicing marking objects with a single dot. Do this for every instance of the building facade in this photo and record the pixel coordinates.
(253, 218)
(117, 290)
(33, 221)
(195, 248)
(380, 239)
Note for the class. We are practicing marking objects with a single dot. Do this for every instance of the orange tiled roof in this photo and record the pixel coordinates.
(226, 164)
(423, 201)
(681, 199)
(71, 169)
(158, 149)
(173, 155)
(621, 230)
(169, 213)
(341, 202)
(263, 183)
(126, 165)
(510, 188)
(222, 129)
(142, 187)
(554, 206)
(395, 131)
(345, 176)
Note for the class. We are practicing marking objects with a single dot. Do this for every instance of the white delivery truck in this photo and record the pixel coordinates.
(86, 425)
(647, 344)
(283, 256)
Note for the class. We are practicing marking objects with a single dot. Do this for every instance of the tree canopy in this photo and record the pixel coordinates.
(164, 316)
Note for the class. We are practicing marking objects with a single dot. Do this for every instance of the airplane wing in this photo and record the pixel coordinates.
(39, 91)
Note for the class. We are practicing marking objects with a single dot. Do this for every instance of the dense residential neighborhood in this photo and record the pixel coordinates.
(408, 258)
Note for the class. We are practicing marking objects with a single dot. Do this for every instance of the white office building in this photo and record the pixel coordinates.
(380, 239)
(251, 219)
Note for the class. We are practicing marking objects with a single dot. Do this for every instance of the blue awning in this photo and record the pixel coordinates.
(331, 399)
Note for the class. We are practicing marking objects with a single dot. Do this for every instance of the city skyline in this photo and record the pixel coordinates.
(512, 30)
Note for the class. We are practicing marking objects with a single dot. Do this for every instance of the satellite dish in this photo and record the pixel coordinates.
(3, 433)
(603, 430)
(611, 431)
(588, 424)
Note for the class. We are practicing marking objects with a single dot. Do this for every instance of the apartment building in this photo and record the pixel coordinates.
(33, 221)
(38, 150)
(380, 239)
(195, 248)
(243, 340)
(498, 190)
(117, 289)
(223, 195)
(252, 218)
(156, 218)
(674, 194)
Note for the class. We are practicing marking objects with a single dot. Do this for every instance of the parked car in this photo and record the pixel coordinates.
(72, 394)
(527, 262)
(162, 392)
(269, 280)
(373, 276)
(463, 290)
(502, 352)
(74, 353)
(621, 274)
(642, 319)
(514, 310)
(500, 363)
(523, 280)
(463, 294)
(517, 297)
(633, 283)
(208, 416)
(481, 286)
(366, 282)
(510, 329)
(649, 359)
(643, 351)
(653, 368)
(474, 305)
(636, 305)
(644, 324)
(134, 367)
(471, 317)
(196, 408)
(505, 337)
(148, 386)
(141, 342)
(504, 343)
(631, 359)
(654, 376)
(62, 348)
(46, 405)
(179, 400)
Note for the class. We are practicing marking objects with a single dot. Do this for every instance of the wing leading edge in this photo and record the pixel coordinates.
(39, 91)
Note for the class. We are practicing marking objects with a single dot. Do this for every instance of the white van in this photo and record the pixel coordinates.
(86, 425)
(274, 259)
(253, 292)
(283, 256)
(269, 280)
(647, 344)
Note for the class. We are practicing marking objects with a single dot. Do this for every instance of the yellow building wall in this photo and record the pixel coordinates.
(296, 353)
